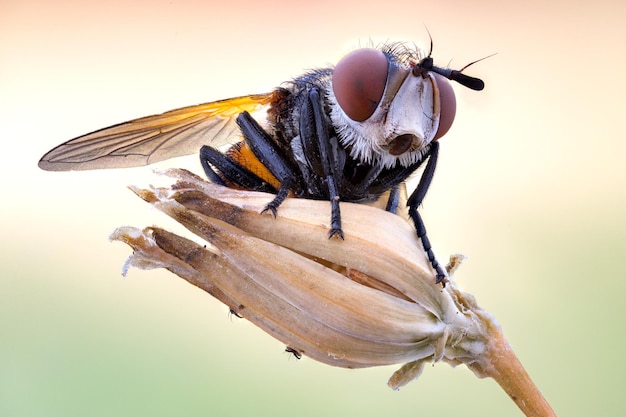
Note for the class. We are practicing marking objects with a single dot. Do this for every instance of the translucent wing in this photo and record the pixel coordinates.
(154, 138)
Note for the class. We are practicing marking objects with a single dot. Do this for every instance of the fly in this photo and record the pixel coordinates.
(348, 133)
(296, 354)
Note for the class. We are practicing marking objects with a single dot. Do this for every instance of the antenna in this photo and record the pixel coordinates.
(426, 65)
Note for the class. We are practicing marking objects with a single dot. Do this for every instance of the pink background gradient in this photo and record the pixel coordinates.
(531, 186)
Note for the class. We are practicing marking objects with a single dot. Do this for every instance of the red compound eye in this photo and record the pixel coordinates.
(447, 102)
(359, 82)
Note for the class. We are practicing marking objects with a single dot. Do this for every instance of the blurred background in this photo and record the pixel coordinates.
(531, 187)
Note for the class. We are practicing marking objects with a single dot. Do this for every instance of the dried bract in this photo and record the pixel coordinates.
(368, 300)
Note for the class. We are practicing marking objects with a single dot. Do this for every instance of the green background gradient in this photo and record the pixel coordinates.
(531, 187)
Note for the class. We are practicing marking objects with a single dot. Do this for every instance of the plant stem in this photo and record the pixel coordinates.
(503, 365)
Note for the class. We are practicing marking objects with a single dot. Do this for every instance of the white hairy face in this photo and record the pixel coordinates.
(384, 112)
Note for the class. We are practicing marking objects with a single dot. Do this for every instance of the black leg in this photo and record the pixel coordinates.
(318, 150)
(427, 176)
(231, 170)
(394, 200)
(206, 158)
(372, 174)
(267, 152)
(389, 178)
(283, 192)
(421, 234)
(416, 200)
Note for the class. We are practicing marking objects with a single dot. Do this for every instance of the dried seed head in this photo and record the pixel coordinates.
(368, 300)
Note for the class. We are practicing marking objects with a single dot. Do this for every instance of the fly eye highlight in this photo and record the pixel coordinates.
(447, 105)
(359, 81)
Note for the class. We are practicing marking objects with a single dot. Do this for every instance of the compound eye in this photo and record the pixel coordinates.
(359, 81)
(447, 102)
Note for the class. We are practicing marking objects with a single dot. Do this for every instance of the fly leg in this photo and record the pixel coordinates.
(268, 153)
(415, 200)
(321, 155)
(394, 200)
(232, 172)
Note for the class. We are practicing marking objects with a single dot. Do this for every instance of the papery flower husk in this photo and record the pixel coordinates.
(368, 300)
